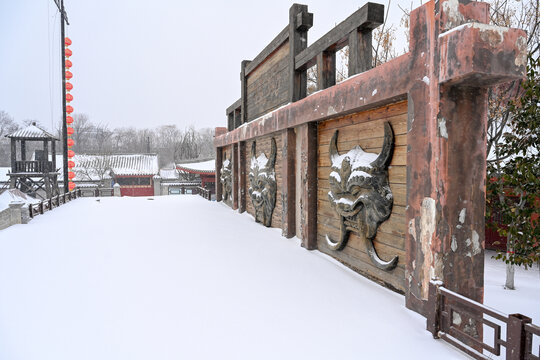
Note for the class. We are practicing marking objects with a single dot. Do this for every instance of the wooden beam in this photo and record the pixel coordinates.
(243, 98)
(234, 106)
(242, 177)
(368, 17)
(288, 175)
(235, 176)
(13, 154)
(268, 50)
(326, 69)
(23, 150)
(219, 162)
(308, 175)
(360, 56)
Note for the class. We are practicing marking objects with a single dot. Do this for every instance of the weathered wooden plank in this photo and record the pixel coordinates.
(297, 43)
(243, 91)
(307, 135)
(282, 52)
(268, 50)
(288, 196)
(368, 16)
(234, 106)
(360, 56)
(398, 159)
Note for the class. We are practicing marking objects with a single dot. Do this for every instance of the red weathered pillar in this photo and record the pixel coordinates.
(446, 157)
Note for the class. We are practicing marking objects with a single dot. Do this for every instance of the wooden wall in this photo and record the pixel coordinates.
(267, 85)
(264, 145)
(366, 129)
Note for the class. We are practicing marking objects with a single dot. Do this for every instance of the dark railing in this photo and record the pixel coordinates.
(33, 166)
(49, 204)
(447, 310)
(205, 193)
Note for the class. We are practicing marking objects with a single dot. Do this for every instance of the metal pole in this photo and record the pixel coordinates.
(64, 124)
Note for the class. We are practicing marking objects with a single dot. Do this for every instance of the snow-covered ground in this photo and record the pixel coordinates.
(179, 277)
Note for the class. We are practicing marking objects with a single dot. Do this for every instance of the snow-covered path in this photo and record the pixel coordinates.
(183, 278)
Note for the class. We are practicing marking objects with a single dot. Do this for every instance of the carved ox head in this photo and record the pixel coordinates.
(360, 194)
(262, 184)
(226, 179)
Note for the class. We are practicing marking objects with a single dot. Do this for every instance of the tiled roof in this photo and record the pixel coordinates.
(32, 132)
(202, 167)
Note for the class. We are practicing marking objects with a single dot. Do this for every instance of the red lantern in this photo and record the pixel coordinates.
(70, 142)
(69, 86)
(68, 53)
(71, 186)
(71, 175)
(71, 164)
(69, 109)
(70, 131)
(69, 120)
(67, 41)
(71, 153)
(69, 97)
(68, 64)
(69, 75)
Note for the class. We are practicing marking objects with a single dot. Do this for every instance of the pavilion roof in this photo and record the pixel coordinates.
(201, 167)
(32, 132)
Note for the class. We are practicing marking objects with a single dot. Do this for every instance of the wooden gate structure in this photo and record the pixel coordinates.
(384, 171)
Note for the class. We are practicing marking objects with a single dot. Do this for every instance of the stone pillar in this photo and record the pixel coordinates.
(157, 185)
(116, 190)
(446, 155)
(15, 208)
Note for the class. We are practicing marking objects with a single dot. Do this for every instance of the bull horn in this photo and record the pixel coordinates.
(376, 260)
(385, 156)
(333, 145)
(343, 237)
(272, 159)
(253, 149)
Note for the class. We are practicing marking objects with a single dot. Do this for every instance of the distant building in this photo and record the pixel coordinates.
(185, 178)
(204, 171)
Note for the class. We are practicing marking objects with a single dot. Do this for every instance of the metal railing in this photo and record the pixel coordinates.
(447, 320)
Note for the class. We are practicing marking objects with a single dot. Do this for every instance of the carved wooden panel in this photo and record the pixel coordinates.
(366, 129)
(264, 145)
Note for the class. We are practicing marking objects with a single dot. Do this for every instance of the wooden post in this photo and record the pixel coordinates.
(243, 91)
(326, 69)
(300, 20)
(288, 175)
(235, 176)
(45, 156)
(360, 57)
(23, 150)
(433, 310)
(13, 154)
(515, 349)
(219, 162)
(307, 135)
(53, 152)
(242, 176)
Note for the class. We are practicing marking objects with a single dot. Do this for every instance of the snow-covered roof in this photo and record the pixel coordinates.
(168, 174)
(205, 167)
(90, 167)
(32, 132)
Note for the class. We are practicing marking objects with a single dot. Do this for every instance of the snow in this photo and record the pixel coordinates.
(3, 173)
(209, 165)
(358, 158)
(132, 286)
(374, 92)
(12, 195)
(120, 291)
(426, 80)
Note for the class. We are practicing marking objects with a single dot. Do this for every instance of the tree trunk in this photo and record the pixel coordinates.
(509, 285)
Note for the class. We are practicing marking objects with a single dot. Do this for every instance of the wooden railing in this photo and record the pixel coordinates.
(205, 193)
(49, 204)
(32, 166)
(448, 310)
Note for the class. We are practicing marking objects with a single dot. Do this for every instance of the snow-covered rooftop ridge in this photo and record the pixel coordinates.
(201, 166)
(168, 174)
(32, 132)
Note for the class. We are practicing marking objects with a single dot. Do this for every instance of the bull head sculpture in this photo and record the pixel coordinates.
(360, 194)
(262, 184)
(226, 179)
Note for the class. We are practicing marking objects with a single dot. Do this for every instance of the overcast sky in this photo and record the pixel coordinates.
(143, 63)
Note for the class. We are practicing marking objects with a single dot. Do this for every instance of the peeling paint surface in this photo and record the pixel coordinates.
(427, 229)
(462, 215)
(454, 16)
